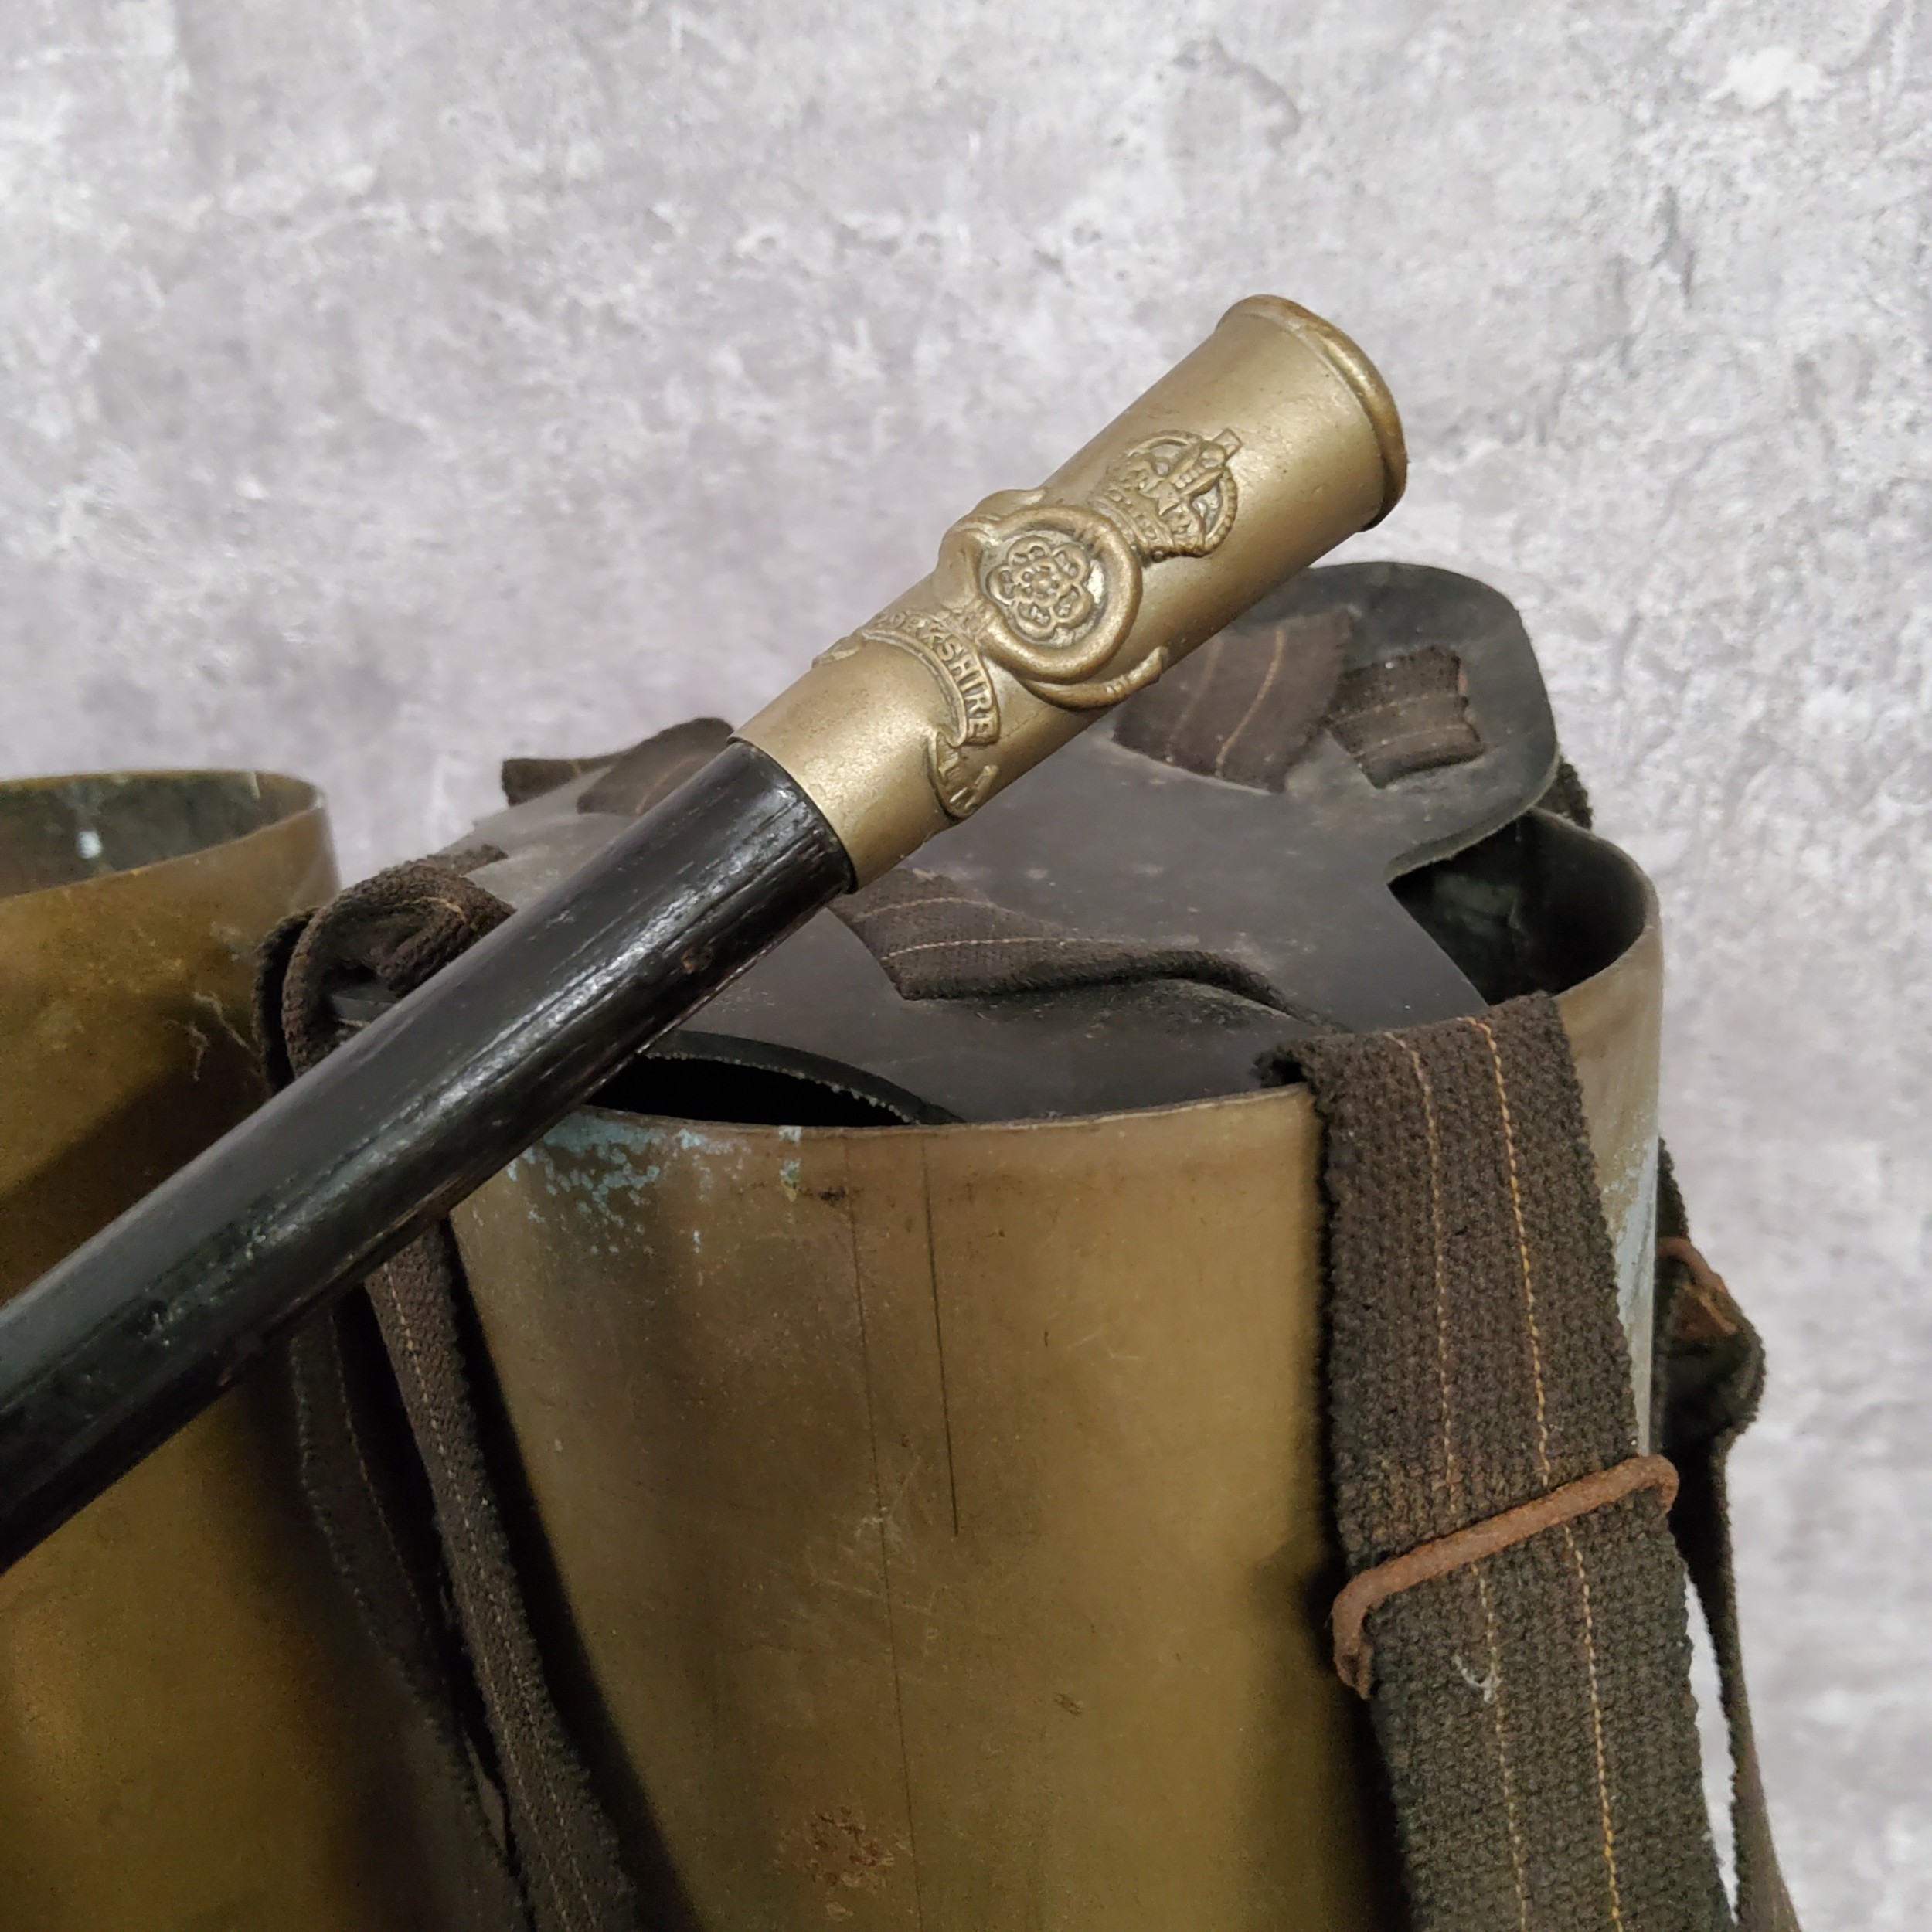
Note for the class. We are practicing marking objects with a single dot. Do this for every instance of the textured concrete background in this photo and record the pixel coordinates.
(391, 384)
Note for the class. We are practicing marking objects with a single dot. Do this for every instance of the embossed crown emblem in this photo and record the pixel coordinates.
(1173, 496)
(1045, 593)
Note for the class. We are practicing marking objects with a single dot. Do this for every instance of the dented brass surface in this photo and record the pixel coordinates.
(1264, 449)
(937, 1515)
(194, 1731)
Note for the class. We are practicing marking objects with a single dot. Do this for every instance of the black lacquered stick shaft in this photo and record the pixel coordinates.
(136, 1332)
(1270, 443)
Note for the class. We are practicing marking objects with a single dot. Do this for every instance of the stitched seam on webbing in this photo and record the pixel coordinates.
(462, 918)
(910, 905)
(952, 945)
(1475, 1544)
(1218, 647)
(1518, 1856)
(1542, 1458)
(1248, 716)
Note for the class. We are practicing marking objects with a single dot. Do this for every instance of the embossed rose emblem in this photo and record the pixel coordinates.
(1043, 585)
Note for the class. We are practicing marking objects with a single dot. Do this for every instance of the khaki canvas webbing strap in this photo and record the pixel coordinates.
(938, 937)
(1533, 1704)
(1709, 1377)
(560, 1870)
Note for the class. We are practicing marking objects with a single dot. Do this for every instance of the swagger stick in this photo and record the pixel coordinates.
(1267, 446)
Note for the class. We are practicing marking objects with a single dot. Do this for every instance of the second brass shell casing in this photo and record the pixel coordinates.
(195, 1731)
(1271, 443)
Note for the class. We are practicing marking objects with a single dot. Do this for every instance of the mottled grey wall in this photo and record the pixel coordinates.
(391, 383)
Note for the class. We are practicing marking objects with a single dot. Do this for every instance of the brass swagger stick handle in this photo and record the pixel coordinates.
(1271, 443)
(1266, 447)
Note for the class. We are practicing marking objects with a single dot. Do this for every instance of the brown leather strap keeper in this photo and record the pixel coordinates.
(1704, 1311)
(1355, 1657)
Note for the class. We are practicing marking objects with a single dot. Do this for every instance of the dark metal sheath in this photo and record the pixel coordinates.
(1268, 445)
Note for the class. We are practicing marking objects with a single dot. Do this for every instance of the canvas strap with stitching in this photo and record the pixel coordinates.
(473, 1668)
(1709, 1377)
(936, 938)
(1531, 1697)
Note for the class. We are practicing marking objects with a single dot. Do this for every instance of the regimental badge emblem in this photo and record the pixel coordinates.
(1043, 585)
(1174, 495)
(1048, 592)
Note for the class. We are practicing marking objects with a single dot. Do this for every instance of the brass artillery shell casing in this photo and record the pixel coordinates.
(1266, 447)
(197, 1728)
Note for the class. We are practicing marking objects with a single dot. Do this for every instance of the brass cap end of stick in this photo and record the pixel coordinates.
(1362, 375)
(1258, 452)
